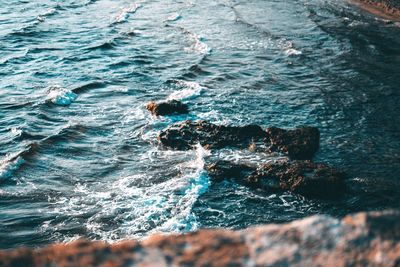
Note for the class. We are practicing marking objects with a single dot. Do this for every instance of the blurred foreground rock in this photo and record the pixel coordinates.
(363, 239)
(389, 9)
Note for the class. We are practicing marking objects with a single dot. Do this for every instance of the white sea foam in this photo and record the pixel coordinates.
(292, 52)
(41, 18)
(174, 17)
(139, 210)
(288, 48)
(123, 15)
(189, 91)
(60, 96)
(197, 184)
(49, 12)
(198, 44)
(15, 131)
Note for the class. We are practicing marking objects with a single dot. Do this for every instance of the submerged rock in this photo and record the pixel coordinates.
(363, 239)
(302, 177)
(301, 143)
(167, 108)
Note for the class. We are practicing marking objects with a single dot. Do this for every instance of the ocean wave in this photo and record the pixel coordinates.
(16, 56)
(42, 17)
(107, 45)
(9, 165)
(288, 48)
(173, 17)
(123, 15)
(198, 44)
(184, 220)
(284, 44)
(60, 96)
(81, 88)
(292, 52)
(13, 162)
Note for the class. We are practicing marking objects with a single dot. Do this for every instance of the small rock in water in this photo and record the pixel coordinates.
(302, 177)
(167, 108)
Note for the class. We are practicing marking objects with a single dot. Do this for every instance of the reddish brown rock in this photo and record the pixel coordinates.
(303, 177)
(388, 9)
(363, 239)
(167, 108)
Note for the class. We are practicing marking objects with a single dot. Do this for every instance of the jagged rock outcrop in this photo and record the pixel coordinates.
(363, 239)
(167, 108)
(302, 177)
(301, 143)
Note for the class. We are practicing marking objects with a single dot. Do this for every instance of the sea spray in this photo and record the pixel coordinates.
(60, 96)
(161, 206)
(188, 90)
(123, 15)
(198, 180)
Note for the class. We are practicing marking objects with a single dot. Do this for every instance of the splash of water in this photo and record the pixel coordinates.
(60, 96)
(189, 91)
(9, 165)
(123, 15)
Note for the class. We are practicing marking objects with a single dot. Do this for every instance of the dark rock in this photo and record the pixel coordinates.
(225, 169)
(167, 108)
(302, 177)
(301, 143)
(363, 239)
(185, 135)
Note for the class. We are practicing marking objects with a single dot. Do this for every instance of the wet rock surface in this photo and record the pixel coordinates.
(303, 177)
(167, 108)
(363, 239)
(301, 143)
(185, 135)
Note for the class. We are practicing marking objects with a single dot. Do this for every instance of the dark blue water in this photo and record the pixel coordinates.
(78, 151)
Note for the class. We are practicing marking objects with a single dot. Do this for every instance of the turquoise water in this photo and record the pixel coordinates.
(78, 151)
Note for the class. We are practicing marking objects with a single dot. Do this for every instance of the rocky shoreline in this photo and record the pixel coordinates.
(363, 239)
(387, 9)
